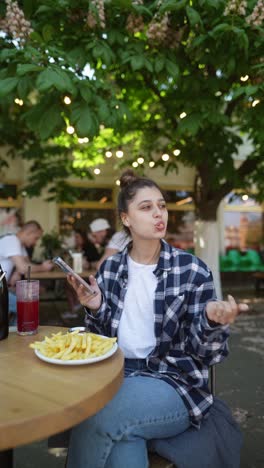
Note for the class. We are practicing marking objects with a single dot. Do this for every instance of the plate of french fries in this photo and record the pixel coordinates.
(74, 348)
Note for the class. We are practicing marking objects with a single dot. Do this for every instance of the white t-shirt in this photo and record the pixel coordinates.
(136, 336)
(10, 246)
(119, 240)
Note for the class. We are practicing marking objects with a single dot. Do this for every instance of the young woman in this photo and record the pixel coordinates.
(160, 303)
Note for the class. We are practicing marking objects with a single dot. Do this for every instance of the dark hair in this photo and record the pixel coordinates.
(130, 183)
(83, 235)
(32, 224)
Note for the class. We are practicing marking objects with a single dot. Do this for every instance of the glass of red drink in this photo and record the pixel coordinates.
(27, 295)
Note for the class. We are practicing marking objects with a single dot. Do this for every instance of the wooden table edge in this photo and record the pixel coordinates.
(74, 414)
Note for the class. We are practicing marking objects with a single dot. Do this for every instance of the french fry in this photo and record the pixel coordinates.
(74, 345)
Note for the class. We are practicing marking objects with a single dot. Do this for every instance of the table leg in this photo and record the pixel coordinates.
(6, 459)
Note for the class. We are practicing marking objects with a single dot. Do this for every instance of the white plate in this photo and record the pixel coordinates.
(77, 362)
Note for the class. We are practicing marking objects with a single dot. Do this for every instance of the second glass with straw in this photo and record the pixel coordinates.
(27, 295)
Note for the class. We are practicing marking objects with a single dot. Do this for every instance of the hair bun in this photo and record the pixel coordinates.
(127, 178)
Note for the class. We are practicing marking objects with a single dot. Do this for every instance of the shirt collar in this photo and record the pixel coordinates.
(165, 262)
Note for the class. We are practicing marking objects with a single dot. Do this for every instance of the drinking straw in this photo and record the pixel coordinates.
(29, 289)
(2, 276)
(28, 273)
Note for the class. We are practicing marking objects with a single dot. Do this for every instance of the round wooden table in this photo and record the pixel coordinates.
(58, 274)
(39, 399)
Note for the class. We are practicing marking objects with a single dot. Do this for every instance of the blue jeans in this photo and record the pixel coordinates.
(144, 408)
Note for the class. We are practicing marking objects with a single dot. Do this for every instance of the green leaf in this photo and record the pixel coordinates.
(48, 32)
(159, 63)
(84, 120)
(220, 28)
(193, 16)
(137, 62)
(23, 87)
(172, 68)
(78, 57)
(148, 65)
(49, 122)
(7, 85)
(6, 54)
(244, 42)
(98, 51)
(28, 7)
(172, 5)
(190, 124)
(85, 91)
(23, 69)
(44, 9)
(230, 65)
(250, 89)
(238, 92)
(55, 77)
(35, 36)
(103, 111)
(142, 10)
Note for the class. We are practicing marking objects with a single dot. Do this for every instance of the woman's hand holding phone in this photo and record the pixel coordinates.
(92, 301)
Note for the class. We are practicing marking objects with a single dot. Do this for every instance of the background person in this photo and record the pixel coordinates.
(86, 247)
(90, 257)
(118, 242)
(14, 258)
(100, 232)
(92, 246)
(161, 304)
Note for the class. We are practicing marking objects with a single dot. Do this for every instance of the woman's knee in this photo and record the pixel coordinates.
(140, 408)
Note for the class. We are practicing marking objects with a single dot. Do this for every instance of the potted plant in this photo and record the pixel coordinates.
(51, 243)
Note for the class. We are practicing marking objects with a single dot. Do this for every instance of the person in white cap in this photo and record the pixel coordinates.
(99, 231)
(97, 238)
(118, 242)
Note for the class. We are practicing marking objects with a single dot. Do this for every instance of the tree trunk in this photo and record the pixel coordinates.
(207, 245)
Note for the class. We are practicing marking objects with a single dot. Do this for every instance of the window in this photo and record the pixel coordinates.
(180, 232)
(80, 218)
(179, 197)
(8, 192)
(243, 222)
(96, 194)
(94, 202)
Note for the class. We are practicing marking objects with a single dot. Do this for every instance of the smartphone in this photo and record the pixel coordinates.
(69, 271)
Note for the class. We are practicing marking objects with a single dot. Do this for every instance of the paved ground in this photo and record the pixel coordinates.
(239, 383)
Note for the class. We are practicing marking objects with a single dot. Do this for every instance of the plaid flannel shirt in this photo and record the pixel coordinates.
(186, 343)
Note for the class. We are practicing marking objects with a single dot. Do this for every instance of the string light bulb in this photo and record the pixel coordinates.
(19, 102)
(83, 140)
(165, 157)
(183, 115)
(70, 130)
(255, 103)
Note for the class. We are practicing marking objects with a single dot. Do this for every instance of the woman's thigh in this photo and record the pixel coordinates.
(143, 407)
